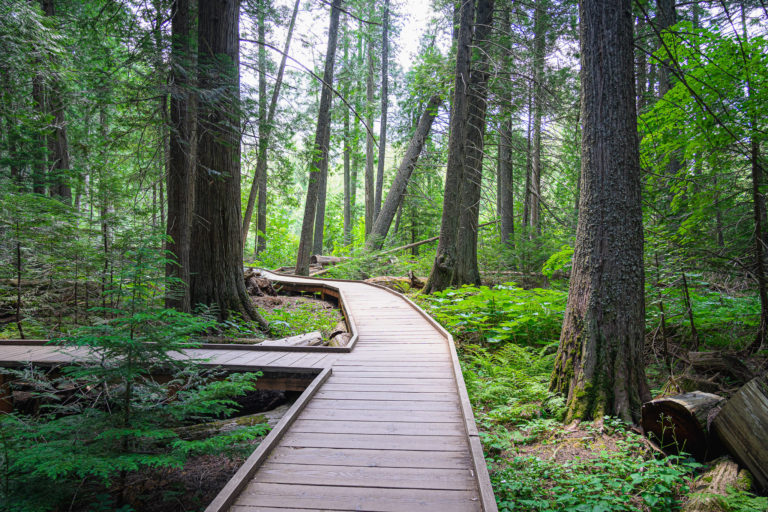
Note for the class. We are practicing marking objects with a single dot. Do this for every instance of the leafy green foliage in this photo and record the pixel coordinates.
(625, 479)
(500, 314)
(301, 318)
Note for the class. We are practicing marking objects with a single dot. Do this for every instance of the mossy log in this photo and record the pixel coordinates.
(720, 362)
(680, 423)
(218, 427)
(710, 490)
(742, 426)
(302, 340)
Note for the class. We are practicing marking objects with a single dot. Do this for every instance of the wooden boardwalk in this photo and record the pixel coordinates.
(386, 426)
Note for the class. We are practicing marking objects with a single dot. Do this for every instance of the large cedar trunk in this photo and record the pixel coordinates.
(466, 271)
(400, 183)
(182, 157)
(599, 365)
(320, 151)
(216, 263)
(445, 259)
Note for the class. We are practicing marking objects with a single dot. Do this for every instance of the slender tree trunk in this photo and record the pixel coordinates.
(400, 183)
(384, 105)
(182, 155)
(528, 158)
(642, 63)
(445, 260)
(369, 181)
(322, 193)
(758, 201)
(39, 175)
(599, 365)
(466, 271)
(216, 264)
(539, 54)
(320, 150)
(506, 185)
(347, 145)
(260, 176)
(58, 145)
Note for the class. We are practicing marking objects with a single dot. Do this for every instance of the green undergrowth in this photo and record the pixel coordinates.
(300, 319)
(507, 339)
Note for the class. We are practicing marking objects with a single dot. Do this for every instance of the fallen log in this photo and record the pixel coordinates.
(213, 428)
(258, 285)
(723, 363)
(340, 340)
(680, 423)
(709, 492)
(326, 261)
(742, 426)
(302, 340)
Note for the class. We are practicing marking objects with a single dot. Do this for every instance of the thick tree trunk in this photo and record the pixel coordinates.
(466, 271)
(642, 63)
(369, 182)
(400, 183)
(320, 151)
(384, 105)
(599, 365)
(445, 259)
(260, 178)
(216, 264)
(182, 157)
(539, 54)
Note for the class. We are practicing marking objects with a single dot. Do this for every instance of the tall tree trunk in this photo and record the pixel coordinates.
(400, 183)
(642, 63)
(466, 271)
(322, 193)
(183, 155)
(539, 54)
(528, 187)
(599, 365)
(505, 202)
(58, 145)
(216, 264)
(320, 150)
(506, 185)
(347, 144)
(369, 181)
(39, 165)
(384, 105)
(758, 201)
(445, 260)
(260, 177)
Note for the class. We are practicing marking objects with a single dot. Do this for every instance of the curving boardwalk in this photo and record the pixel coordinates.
(386, 426)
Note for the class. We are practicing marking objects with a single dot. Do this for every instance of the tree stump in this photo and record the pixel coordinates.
(710, 489)
(742, 426)
(680, 423)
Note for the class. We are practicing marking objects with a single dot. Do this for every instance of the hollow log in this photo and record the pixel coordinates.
(680, 423)
(723, 363)
(742, 426)
(325, 261)
(709, 491)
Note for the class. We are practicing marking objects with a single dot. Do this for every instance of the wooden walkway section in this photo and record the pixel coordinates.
(386, 426)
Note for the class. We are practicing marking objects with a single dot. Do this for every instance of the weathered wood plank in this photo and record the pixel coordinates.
(355, 498)
(364, 476)
(375, 441)
(372, 458)
(318, 412)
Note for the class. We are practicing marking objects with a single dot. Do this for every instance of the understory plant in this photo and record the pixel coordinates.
(114, 412)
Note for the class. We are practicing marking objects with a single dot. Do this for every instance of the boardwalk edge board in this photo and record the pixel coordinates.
(237, 483)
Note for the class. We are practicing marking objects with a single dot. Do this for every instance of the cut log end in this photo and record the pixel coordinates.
(680, 423)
